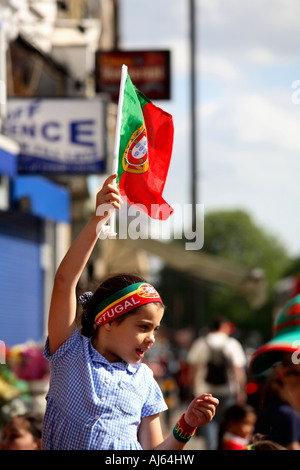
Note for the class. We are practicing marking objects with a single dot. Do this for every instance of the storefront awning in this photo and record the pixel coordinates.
(46, 199)
(9, 151)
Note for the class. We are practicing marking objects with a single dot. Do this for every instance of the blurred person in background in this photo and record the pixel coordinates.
(279, 359)
(279, 418)
(259, 442)
(23, 432)
(217, 364)
(237, 427)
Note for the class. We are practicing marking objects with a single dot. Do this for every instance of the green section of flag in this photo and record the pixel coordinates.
(132, 118)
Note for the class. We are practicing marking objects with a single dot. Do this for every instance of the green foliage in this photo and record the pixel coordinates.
(293, 268)
(234, 236)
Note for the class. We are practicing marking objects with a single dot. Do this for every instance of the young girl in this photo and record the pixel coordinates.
(100, 395)
(237, 427)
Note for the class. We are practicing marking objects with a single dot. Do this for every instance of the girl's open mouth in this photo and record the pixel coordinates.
(141, 352)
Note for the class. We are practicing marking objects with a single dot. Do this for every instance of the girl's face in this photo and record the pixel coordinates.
(17, 436)
(132, 337)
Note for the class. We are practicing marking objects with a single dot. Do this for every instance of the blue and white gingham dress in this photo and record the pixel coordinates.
(95, 404)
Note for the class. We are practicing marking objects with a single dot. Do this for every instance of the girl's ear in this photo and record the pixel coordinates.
(107, 326)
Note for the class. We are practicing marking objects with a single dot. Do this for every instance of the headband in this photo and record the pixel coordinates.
(125, 300)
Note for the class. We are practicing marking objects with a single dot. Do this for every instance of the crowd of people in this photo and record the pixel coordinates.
(273, 420)
(102, 395)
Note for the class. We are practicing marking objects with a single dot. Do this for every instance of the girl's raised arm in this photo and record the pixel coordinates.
(62, 312)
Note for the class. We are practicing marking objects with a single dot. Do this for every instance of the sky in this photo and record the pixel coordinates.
(248, 103)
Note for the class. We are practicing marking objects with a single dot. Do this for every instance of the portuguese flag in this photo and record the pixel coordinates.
(146, 140)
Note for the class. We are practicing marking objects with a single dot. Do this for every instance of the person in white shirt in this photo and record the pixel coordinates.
(217, 364)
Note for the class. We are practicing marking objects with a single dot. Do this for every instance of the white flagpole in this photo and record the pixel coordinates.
(111, 231)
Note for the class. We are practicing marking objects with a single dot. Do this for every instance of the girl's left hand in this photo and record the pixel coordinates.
(201, 410)
(109, 194)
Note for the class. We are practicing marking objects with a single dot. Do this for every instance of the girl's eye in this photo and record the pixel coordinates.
(148, 327)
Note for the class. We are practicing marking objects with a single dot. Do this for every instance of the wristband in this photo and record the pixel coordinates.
(183, 431)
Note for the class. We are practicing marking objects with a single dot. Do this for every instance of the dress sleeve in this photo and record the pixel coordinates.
(154, 402)
(71, 346)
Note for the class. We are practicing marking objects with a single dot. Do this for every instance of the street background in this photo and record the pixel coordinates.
(229, 75)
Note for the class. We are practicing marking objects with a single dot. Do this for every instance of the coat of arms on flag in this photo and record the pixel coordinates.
(135, 157)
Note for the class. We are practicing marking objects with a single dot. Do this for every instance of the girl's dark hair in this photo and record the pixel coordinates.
(108, 287)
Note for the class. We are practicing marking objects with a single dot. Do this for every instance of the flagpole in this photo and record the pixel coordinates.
(112, 229)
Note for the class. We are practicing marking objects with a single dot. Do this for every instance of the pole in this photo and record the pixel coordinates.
(111, 229)
(196, 285)
(3, 87)
(193, 112)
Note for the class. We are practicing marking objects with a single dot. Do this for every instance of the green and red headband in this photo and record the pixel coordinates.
(125, 300)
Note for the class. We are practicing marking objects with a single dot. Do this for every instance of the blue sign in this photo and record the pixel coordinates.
(58, 136)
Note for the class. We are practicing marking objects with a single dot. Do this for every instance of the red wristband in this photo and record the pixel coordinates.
(183, 431)
(186, 426)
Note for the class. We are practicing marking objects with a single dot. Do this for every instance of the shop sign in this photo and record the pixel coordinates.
(58, 136)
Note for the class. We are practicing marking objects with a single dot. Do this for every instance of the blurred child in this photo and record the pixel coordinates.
(237, 427)
(23, 432)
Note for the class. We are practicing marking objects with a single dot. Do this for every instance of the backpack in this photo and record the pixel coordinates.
(217, 366)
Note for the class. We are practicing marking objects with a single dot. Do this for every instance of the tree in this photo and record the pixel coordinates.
(234, 236)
